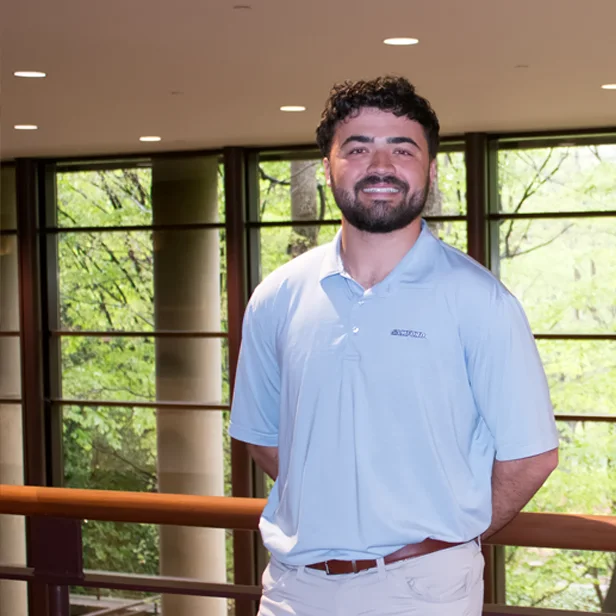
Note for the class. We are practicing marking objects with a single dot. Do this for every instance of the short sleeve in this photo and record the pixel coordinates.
(508, 381)
(256, 398)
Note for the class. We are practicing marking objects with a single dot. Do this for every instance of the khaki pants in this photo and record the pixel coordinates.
(444, 583)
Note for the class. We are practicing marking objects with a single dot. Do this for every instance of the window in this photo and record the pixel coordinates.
(555, 229)
(138, 334)
(12, 527)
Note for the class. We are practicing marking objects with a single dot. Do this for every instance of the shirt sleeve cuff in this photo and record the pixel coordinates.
(252, 436)
(512, 451)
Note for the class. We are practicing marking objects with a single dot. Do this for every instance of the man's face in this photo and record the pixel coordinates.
(379, 170)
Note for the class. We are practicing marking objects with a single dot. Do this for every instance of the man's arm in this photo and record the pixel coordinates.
(266, 458)
(514, 483)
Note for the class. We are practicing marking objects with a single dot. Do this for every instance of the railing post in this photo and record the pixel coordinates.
(58, 600)
(57, 558)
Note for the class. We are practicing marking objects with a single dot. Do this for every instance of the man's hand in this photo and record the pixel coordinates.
(514, 483)
(266, 458)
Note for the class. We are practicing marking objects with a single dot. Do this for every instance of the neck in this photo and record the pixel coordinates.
(370, 257)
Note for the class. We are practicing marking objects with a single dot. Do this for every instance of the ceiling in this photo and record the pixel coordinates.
(203, 74)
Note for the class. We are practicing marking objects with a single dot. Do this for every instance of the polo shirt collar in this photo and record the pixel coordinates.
(332, 260)
(414, 267)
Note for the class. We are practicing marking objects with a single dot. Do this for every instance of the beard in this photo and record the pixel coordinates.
(381, 215)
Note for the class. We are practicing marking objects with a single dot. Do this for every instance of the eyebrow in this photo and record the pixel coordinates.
(366, 139)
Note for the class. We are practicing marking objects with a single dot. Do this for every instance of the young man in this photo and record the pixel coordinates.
(390, 385)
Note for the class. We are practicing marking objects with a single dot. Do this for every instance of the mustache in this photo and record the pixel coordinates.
(373, 179)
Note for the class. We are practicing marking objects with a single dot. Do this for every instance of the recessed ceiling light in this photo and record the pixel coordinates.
(150, 138)
(401, 41)
(30, 74)
(292, 108)
(25, 127)
(609, 86)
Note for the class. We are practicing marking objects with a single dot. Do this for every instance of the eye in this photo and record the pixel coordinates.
(358, 150)
(403, 152)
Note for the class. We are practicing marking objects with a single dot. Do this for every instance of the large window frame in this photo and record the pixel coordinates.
(38, 293)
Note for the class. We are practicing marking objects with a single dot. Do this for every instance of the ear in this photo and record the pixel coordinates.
(433, 171)
(328, 172)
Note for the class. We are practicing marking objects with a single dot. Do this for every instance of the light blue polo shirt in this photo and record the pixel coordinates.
(388, 405)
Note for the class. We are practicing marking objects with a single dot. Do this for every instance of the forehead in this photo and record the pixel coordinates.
(372, 122)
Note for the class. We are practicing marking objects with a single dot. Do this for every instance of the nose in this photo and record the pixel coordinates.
(381, 162)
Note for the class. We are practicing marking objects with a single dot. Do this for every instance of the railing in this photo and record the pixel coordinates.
(56, 546)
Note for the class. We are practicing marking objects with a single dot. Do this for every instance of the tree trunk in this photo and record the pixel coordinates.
(434, 207)
(303, 206)
(609, 603)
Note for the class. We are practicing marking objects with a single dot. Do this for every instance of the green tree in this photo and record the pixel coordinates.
(561, 269)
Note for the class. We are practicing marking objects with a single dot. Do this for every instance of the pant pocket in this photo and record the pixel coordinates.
(275, 576)
(441, 583)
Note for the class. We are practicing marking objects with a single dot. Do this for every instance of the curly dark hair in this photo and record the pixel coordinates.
(394, 94)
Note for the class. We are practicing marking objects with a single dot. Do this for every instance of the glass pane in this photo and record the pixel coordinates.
(563, 271)
(121, 368)
(451, 185)
(585, 479)
(8, 202)
(581, 374)
(123, 196)
(226, 415)
(140, 450)
(10, 370)
(221, 191)
(281, 244)
(294, 190)
(136, 548)
(108, 280)
(558, 579)
(104, 198)
(11, 445)
(558, 179)
(86, 600)
(452, 232)
(110, 448)
(9, 284)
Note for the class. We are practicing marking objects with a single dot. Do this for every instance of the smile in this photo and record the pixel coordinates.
(381, 190)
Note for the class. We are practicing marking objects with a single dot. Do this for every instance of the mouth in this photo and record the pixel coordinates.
(381, 190)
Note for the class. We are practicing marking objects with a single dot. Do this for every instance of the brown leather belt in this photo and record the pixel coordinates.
(412, 550)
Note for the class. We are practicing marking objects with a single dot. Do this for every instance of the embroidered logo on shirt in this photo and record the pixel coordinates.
(407, 333)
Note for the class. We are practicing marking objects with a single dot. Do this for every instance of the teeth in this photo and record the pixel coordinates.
(381, 190)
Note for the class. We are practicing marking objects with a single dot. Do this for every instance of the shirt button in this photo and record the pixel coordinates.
(361, 302)
(355, 330)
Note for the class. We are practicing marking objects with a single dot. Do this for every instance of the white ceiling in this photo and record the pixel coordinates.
(114, 66)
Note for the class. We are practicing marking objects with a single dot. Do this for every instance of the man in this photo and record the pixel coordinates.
(391, 386)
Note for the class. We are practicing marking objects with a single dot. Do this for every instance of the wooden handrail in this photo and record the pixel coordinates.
(549, 530)
(563, 531)
(139, 507)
